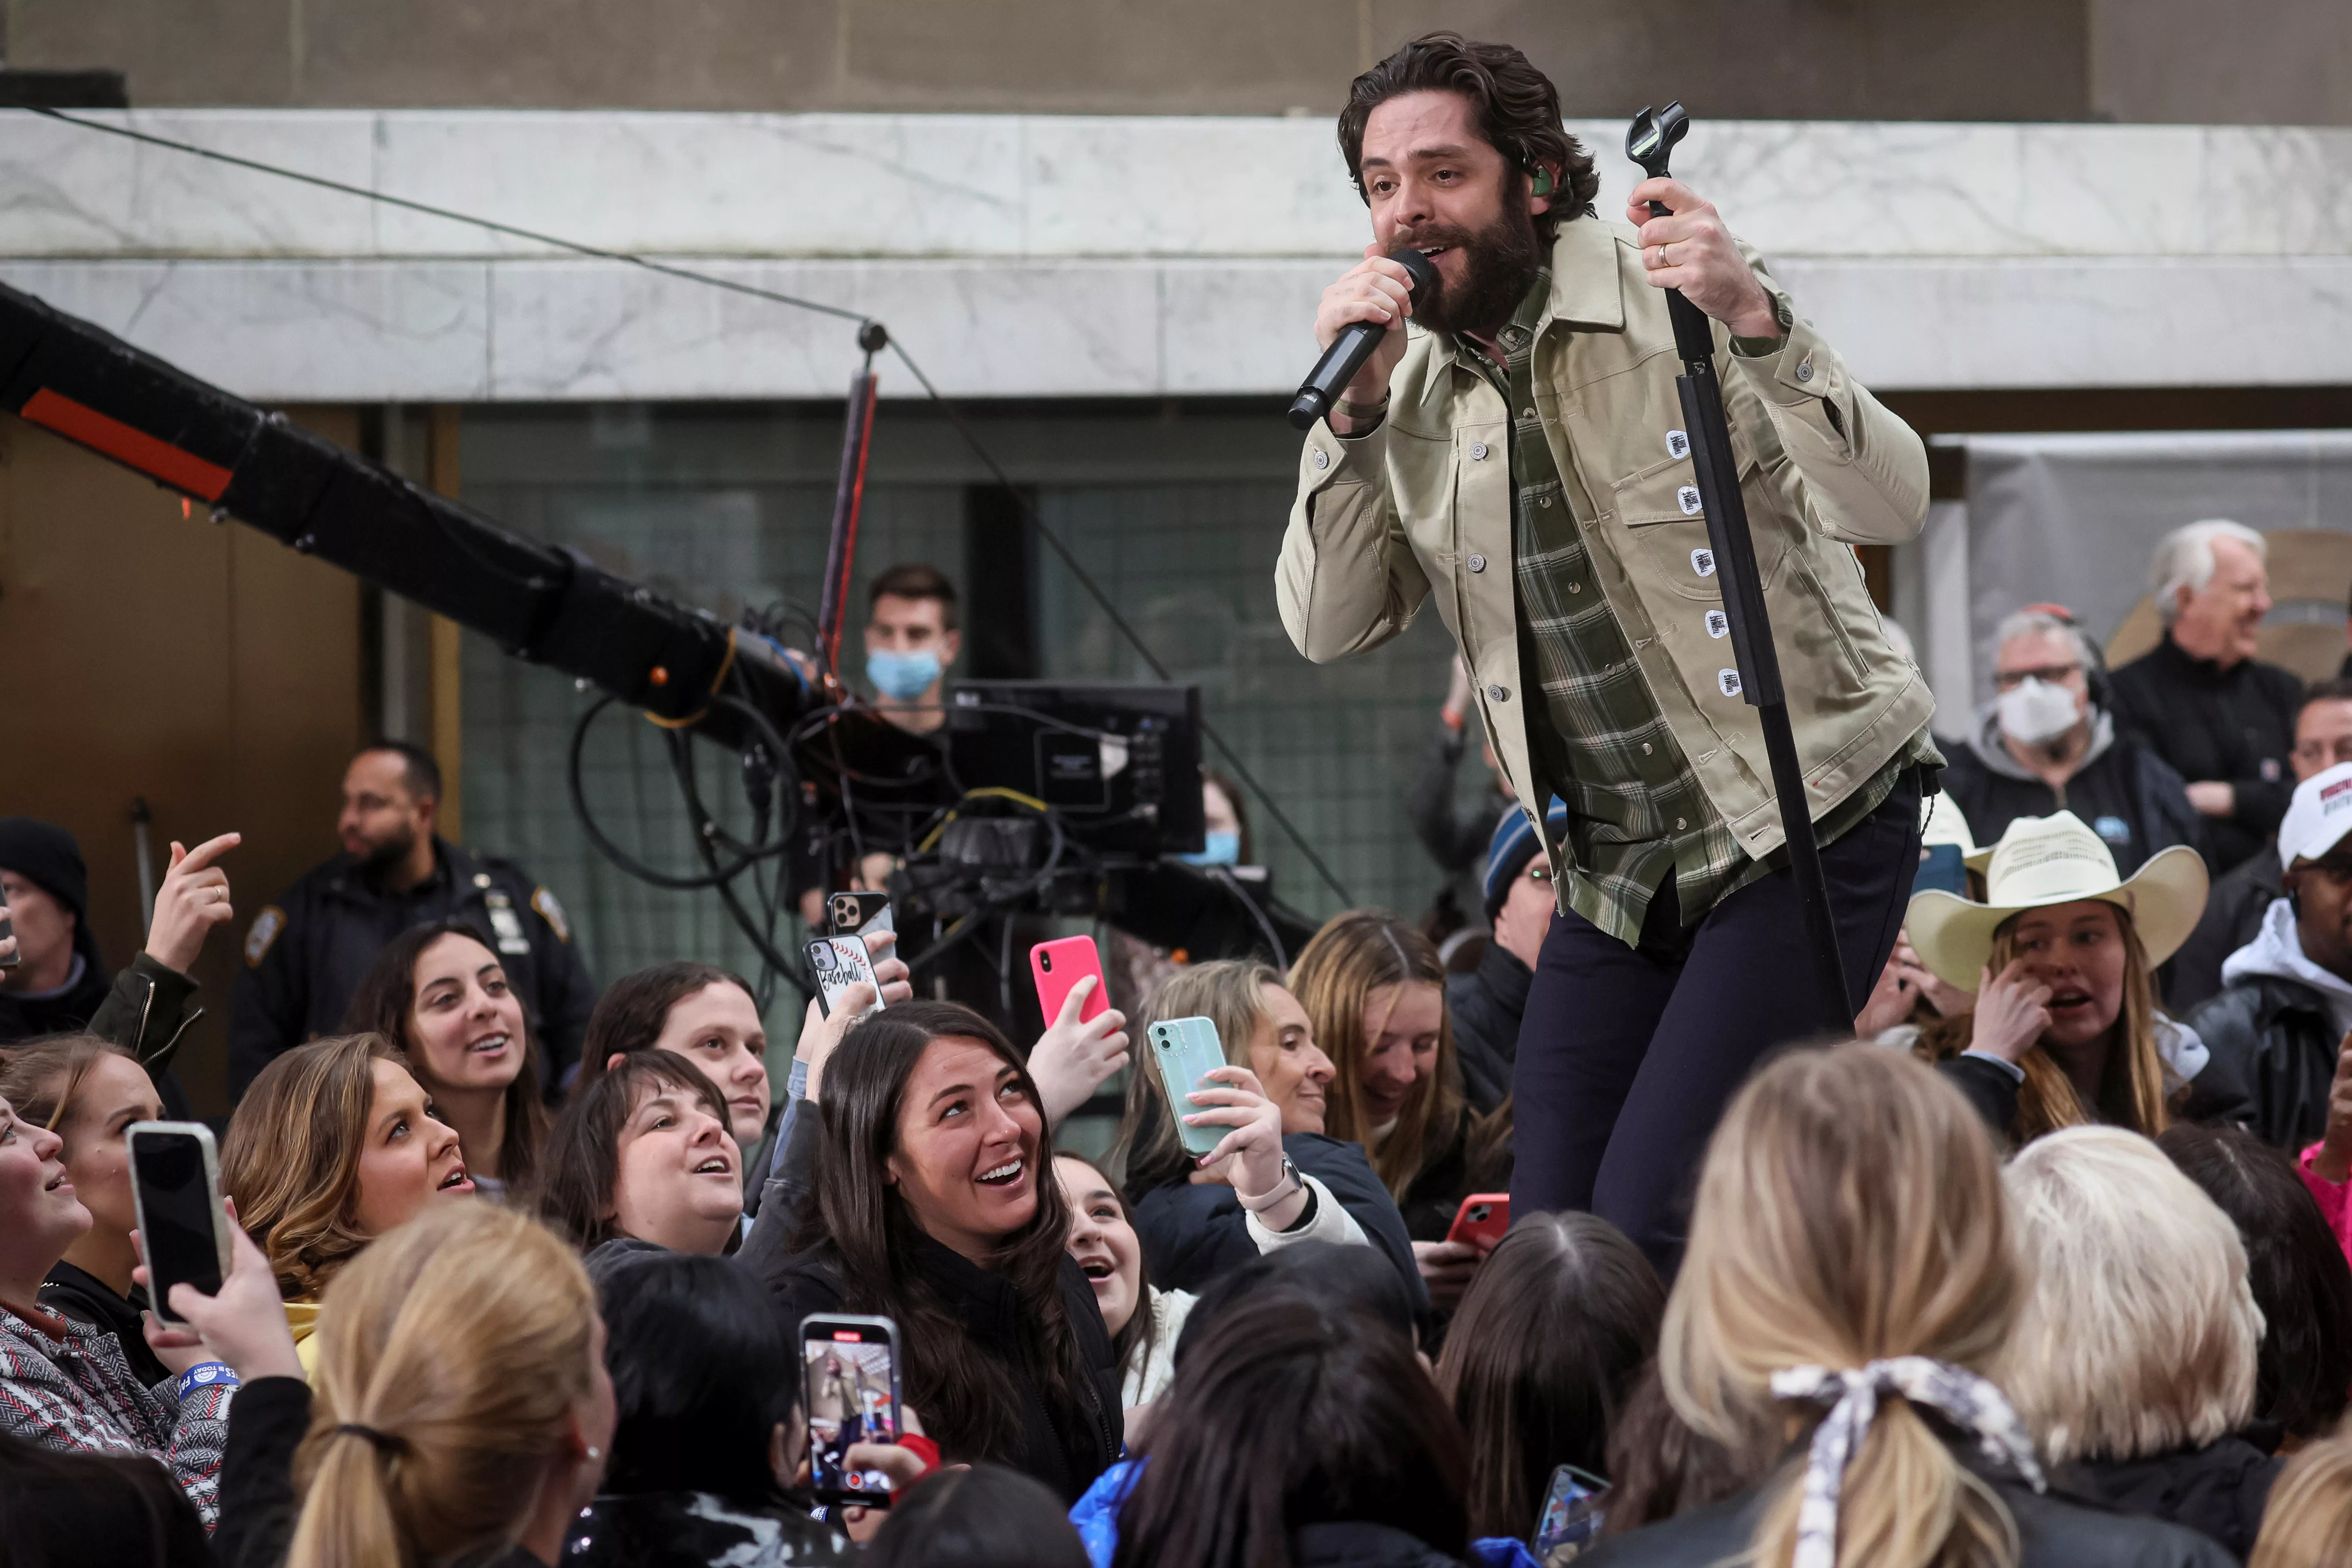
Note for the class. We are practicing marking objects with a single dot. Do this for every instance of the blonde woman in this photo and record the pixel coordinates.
(2309, 1524)
(463, 1411)
(1193, 1223)
(2061, 955)
(1852, 1272)
(2134, 1361)
(333, 1145)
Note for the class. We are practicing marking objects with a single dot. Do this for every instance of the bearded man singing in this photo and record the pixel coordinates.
(1516, 443)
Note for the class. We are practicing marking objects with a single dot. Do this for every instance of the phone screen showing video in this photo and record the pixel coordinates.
(1571, 1521)
(851, 1387)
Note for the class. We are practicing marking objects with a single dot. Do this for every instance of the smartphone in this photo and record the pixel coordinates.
(1942, 868)
(1186, 1051)
(1483, 1217)
(849, 1387)
(1569, 1523)
(841, 962)
(855, 914)
(1057, 966)
(175, 1196)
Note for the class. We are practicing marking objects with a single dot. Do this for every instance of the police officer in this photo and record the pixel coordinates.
(306, 954)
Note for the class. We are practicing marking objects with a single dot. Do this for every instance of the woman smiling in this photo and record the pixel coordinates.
(441, 995)
(934, 1208)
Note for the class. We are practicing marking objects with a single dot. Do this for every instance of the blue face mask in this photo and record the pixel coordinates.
(902, 677)
(1225, 848)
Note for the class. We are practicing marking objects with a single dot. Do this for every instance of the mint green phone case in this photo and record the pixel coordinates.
(1187, 1050)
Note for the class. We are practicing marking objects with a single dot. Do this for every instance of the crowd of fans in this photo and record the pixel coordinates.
(2047, 1264)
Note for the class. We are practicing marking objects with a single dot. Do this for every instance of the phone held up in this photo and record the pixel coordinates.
(175, 1196)
(1058, 966)
(1569, 1523)
(849, 1373)
(840, 962)
(1186, 1051)
(1483, 1217)
(859, 915)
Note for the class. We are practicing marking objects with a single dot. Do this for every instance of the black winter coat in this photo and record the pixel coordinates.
(694, 1529)
(2053, 1531)
(2217, 1097)
(2126, 794)
(1486, 1008)
(2232, 918)
(1192, 1232)
(2274, 1035)
(2218, 1490)
(994, 1325)
(2234, 726)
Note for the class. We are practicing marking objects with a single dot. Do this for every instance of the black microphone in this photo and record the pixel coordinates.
(1351, 348)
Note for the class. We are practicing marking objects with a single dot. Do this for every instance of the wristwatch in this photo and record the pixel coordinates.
(1286, 1184)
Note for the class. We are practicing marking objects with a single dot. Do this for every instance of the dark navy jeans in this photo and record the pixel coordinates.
(1628, 1055)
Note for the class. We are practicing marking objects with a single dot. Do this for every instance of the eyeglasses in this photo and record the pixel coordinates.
(2048, 674)
(2324, 754)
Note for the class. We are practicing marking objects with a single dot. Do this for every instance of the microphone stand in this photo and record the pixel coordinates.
(1650, 142)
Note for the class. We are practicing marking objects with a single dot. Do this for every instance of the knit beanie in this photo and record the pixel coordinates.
(46, 855)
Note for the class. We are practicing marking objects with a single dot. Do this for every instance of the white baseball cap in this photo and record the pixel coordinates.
(2320, 814)
(2046, 860)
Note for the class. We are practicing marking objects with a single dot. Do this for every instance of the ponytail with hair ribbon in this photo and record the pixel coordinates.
(1959, 1395)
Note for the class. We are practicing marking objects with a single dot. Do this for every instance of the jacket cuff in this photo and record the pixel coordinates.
(1804, 368)
(1328, 458)
(1331, 1223)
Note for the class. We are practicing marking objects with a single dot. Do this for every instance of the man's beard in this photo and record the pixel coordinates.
(1498, 267)
(382, 857)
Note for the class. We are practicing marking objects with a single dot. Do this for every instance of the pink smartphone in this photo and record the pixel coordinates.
(1058, 965)
(1483, 1217)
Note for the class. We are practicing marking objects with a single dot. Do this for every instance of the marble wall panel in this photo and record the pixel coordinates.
(290, 332)
(1043, 185)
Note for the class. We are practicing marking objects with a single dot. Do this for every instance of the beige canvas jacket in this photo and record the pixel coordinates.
(1421, 507)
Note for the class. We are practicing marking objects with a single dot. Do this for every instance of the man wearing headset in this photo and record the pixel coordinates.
(1515, 449)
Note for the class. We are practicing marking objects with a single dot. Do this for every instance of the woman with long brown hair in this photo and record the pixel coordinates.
(333, 1145)
(1854, 1271)
(2062, 954)
(1374, 989)
(935, 1208)
(440, 995)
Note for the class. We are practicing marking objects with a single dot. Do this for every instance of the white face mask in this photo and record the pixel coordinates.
(2034, 712)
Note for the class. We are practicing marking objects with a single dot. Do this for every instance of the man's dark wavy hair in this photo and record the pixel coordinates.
(1517, 111)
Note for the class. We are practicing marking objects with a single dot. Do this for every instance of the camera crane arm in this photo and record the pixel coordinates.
(539, 602)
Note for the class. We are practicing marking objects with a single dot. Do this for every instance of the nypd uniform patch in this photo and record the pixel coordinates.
(263, 932)
(553, 913)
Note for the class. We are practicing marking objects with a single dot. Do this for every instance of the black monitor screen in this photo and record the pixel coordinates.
(1121, 763)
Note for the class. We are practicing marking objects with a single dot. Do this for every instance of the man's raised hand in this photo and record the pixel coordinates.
(1690, 249)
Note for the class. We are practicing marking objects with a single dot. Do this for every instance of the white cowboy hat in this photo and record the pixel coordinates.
(2045, 860)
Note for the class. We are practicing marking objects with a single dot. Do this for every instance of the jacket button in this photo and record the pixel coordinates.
(1497, 694)
(1805, 371)
(1645, 748)
(1576, 587)
(1478, 449)
(1322, 458)
(1680, 825)
(1478, 563)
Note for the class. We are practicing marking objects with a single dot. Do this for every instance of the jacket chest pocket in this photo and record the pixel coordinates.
(1664, 519)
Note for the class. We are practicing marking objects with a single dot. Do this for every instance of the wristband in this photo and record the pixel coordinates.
(922, 1448)
(207, 1374)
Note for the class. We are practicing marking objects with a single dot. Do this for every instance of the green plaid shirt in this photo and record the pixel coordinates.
(1597, 738)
